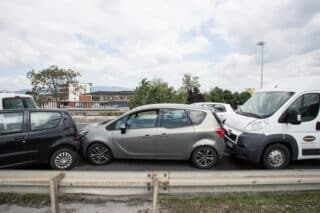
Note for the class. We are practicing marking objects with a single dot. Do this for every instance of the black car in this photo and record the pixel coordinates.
(29, 136)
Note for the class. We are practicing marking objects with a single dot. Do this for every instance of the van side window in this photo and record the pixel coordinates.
(306, 105)
(174, 118)
(44, 120)
(11, 122)
(310, 107)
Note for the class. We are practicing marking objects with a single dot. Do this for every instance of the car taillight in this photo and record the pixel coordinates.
(77, 138)
(220, 132)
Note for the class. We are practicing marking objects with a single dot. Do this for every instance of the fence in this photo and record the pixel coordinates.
(128, 183)
(84, 105)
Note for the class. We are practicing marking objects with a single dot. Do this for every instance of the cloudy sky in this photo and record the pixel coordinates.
(117, 43)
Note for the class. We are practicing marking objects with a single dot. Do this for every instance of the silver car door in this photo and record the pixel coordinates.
(175, 135)
(137, 140)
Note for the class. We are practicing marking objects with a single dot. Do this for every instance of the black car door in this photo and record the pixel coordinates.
(45, 130)
(13, 139)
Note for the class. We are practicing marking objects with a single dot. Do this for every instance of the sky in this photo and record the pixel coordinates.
(117, 43)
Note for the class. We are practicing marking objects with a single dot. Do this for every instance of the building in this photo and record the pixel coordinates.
(71, 92)
(105, 99)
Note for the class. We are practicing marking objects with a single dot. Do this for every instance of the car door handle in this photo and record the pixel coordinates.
(20, 139)
(309, 138)
(147, 136)
(164, 134)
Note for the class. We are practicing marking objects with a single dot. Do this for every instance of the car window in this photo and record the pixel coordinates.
(197, 116)
(306, 105)
(44, 120)
(116, 124)
(219, 108)
(174, 118)
(11, 122)
(18, 103)
(310, 107)
(145, 119)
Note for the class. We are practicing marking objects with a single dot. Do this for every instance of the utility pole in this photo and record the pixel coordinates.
(261, 43)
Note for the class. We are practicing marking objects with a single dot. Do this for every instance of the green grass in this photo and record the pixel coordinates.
(244, 202)
(233, 202)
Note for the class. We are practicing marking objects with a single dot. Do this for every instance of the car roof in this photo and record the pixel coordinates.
(168, 105)
(12, 95)
(200, 103)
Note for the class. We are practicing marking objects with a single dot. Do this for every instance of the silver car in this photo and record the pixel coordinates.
(158, 131)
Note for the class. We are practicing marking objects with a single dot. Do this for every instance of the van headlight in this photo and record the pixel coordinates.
(257, 125)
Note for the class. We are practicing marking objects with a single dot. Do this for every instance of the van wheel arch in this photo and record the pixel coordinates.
(285, 143)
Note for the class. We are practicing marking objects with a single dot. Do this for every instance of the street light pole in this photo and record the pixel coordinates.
(261, 43)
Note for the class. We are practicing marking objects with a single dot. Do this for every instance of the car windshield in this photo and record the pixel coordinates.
(264, 104)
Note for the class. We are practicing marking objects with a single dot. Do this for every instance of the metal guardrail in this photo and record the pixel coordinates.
(129, 183)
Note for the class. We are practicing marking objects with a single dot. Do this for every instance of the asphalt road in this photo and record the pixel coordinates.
(166, 165)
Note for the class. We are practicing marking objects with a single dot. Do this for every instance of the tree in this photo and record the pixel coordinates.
(226, 96)
(48, 81)
(155, 91)
(191, 89)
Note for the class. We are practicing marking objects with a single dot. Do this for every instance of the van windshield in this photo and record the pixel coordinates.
(264, 104)
(18, 103)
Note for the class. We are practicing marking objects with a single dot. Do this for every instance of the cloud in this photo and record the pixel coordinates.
(120, 42)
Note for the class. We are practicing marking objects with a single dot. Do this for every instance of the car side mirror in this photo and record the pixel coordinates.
(293, 117)
(123, 128)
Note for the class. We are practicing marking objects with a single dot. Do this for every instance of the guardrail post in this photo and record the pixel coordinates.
(54, 182)
(155, 193)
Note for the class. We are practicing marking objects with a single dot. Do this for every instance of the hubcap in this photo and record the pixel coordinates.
(276, 157)
(204, 157)
(63, 160)
(100, 154)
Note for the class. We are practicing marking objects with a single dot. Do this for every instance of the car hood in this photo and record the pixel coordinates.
(238, 122)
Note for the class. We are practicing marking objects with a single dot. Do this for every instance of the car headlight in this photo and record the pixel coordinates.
(257, 125)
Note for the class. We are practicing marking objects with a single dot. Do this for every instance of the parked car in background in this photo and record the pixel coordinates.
(222, 110)
(278, 124)
(16, 101)
(31, 136)
(158, 131)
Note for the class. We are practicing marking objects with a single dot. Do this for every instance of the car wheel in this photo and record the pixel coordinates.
(204, 157)
(99, 154)
(63, 159)
(276, 156)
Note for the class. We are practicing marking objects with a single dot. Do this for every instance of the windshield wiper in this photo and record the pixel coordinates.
(249, 114)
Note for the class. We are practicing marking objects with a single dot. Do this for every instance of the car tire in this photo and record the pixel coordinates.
(63, 159)
(99, 154)
(204, 157)
(276, 156)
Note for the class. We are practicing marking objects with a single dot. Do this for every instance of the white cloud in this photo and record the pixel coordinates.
(120, 42)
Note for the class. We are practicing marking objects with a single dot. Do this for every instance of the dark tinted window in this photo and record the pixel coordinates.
(307, 105)
(174, 118)
(44, 120)
(197, 116)
(18, 103)
(11, 122)
(310, 107)
(145, 119)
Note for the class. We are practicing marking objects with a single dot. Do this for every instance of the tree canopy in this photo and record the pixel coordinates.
(158, 91)
(48, 81)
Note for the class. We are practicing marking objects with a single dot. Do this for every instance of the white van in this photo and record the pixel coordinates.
(16, 101)
(278, 124)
